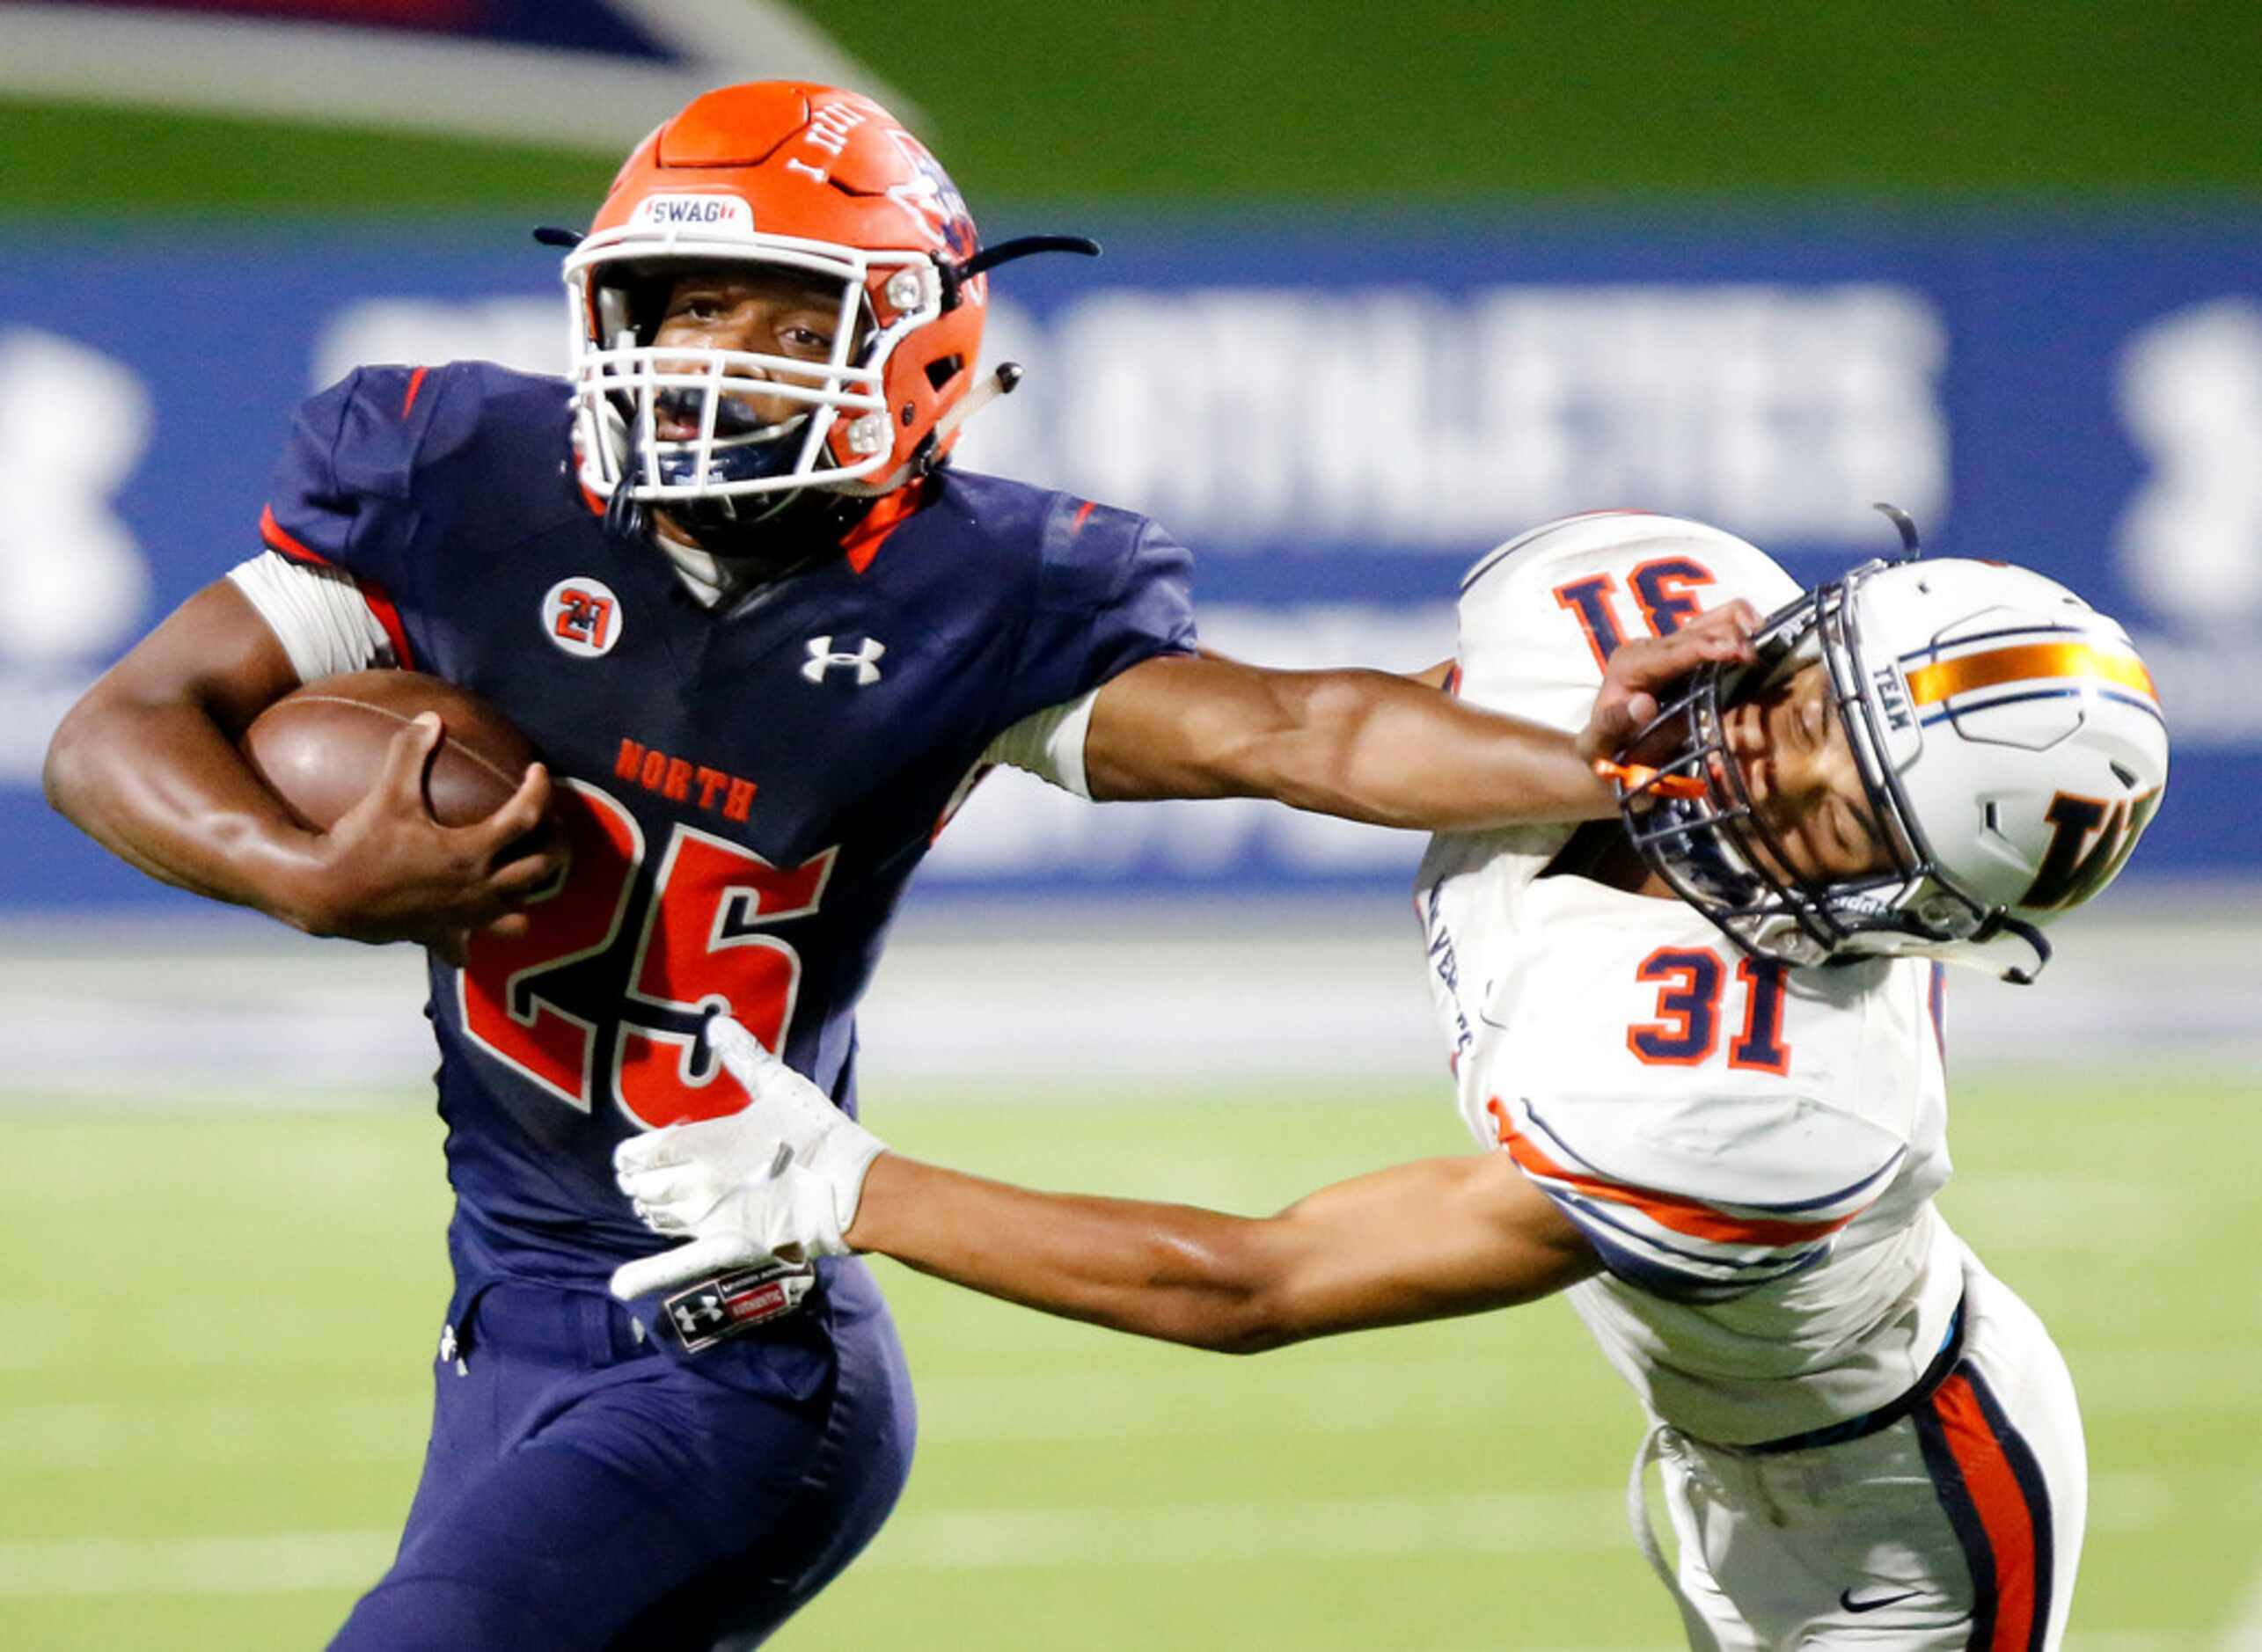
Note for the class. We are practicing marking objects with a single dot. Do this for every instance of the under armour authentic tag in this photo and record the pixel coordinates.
(730, 1304)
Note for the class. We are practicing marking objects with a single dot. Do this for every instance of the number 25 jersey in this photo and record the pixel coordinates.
(745, 788)
(1752, 1151)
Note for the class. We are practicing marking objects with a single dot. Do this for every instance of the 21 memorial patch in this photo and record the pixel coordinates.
(582, 616)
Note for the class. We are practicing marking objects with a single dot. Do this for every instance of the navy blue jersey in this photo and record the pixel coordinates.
(746, 789)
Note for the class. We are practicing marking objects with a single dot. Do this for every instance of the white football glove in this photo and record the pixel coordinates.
(781, 1176)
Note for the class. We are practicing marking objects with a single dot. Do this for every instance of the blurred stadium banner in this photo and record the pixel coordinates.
(1339, 416)
(577, 73)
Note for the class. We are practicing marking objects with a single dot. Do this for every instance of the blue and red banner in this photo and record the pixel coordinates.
(1339, 417)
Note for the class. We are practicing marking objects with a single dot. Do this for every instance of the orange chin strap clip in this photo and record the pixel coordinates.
(1635, 775)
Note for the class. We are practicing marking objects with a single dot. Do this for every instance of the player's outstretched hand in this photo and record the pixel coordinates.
(781, 1176)
(395, 874)
(1643, 668)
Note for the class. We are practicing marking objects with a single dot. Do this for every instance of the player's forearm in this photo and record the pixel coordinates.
(160, 786)
(1363, 745)
(1171, 1272)
(1426, 1240)
(1370, 747)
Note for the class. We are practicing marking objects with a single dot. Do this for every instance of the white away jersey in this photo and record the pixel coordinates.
(1752, 1150)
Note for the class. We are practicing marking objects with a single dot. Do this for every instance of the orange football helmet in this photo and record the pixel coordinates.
(823, 183)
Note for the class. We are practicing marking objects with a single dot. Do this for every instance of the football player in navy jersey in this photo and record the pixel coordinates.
(766, 638)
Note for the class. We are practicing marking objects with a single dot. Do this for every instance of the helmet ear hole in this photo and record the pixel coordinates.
(942, 369)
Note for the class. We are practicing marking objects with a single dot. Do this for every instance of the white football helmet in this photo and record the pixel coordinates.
(2011, 740)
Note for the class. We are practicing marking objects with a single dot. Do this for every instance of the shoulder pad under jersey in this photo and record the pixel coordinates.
(1694, 1193)
(1105, 588)
(356, 473)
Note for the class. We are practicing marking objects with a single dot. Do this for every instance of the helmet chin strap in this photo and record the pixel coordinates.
(806, 530)
(2007, 948)
(625, 516)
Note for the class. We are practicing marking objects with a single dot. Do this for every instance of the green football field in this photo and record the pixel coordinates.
(220, 1321)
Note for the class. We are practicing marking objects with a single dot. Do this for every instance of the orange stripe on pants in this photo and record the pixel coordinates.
(2005, 1514)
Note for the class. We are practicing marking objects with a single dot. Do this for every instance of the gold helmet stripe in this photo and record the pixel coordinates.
(1929, 684)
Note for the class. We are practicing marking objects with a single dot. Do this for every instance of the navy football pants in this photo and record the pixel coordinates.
(583, 1489)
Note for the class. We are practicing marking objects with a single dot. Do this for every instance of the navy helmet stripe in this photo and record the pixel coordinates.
(1950, 710)
(1935, 649)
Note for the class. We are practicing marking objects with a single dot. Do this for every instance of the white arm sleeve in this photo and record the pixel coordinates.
(317, 615)
(1050, 744)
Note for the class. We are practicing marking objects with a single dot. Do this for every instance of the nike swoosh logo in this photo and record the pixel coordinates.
(1845, 1599)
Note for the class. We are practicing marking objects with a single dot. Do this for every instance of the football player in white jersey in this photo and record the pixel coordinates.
(1717, 1121)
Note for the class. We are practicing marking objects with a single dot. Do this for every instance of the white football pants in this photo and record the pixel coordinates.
(1958, 1527)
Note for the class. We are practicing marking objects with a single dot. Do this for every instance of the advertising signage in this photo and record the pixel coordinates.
(1339, 417)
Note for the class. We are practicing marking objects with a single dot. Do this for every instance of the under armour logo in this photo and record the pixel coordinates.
(702, 1312)
(865, 661)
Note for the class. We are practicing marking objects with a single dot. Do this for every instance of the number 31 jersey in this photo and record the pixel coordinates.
(746, 786)
(1752, 1151)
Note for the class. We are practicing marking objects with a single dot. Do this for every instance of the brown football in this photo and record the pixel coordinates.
(322, 746)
